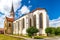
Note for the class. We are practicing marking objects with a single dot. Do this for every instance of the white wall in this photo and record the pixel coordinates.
(26, 18)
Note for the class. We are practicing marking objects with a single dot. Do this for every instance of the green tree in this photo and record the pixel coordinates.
(50, 30)
(57, 31)
(31, 31)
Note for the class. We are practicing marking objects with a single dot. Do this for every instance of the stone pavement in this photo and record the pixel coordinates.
(56, 38)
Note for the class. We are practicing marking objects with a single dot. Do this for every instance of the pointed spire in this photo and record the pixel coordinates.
(12, 11)
(12, 8)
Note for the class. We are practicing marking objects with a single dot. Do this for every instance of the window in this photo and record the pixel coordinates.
(18, 27)
(34, 19)
(41, 20)
(30, 22)
(23, 23)
(9, 24)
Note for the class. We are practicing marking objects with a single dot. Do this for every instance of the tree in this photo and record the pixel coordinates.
(50, 30)
(31, 31)
(57, 31)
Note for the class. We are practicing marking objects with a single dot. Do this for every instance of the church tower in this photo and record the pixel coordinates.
(12, 12)
(8, 23)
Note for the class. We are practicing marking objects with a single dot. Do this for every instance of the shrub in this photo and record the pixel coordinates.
(57, 31)
(50, 30)
(31, 31)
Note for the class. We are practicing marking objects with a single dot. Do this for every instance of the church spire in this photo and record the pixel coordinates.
(12, 11)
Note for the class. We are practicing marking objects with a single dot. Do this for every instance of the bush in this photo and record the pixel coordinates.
(57, 31)
(50, 30)
(31, 31)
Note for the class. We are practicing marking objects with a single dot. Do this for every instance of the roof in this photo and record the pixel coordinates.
(12, 8)
(32, 11)
(1, 29)
(37, 9)
(12, 11)
(10, 19)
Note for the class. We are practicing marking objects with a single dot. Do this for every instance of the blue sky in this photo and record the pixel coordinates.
(26, 6)
(52, 6)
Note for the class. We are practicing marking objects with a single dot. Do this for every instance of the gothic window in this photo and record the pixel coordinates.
(23, 23)
(30, 22)
(41, 20)
(34, 19)
(18, 27)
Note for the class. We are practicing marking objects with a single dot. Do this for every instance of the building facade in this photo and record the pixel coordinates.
(8, 23)
(37, 18)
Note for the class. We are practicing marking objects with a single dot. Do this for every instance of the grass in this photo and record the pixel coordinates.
(36, 37)
(26, 36)
(40, 37)
(4, 37)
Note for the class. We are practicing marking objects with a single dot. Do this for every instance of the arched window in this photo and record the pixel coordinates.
(34, 19)
(9, 24)
(41, 20)
(30, 22)
(23, 23)
(18, 27)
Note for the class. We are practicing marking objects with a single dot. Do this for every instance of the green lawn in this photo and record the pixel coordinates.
(4, 37)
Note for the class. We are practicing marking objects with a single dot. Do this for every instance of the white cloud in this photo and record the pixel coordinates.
(29, 1)
(30, 6)
(5, 7)
(55, 22)
(24, 10)
(17, 4)
(2, 21)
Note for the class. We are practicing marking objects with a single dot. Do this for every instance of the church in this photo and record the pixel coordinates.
(37, 18)
(8, 23)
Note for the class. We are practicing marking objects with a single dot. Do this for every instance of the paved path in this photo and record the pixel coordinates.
(18, 36)
(56, 38)
(45, 39)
